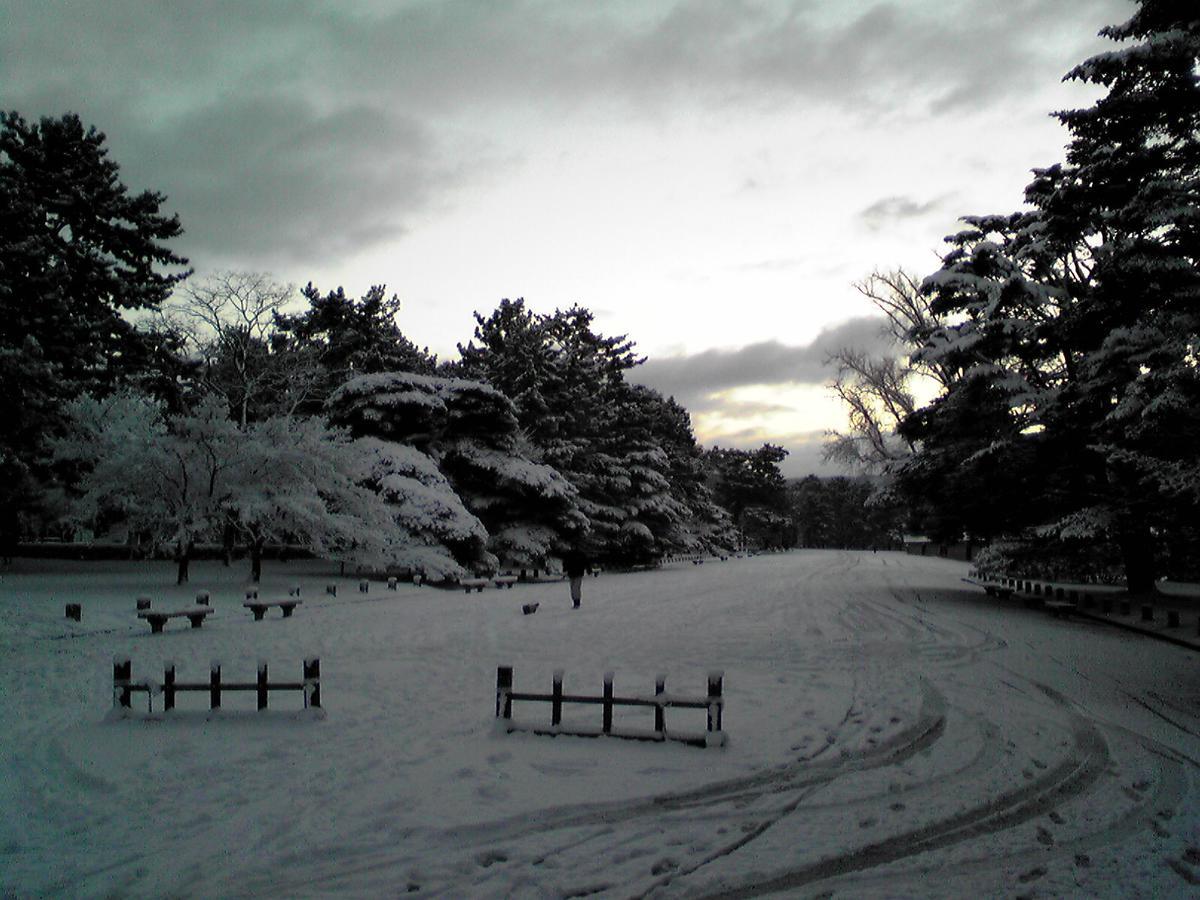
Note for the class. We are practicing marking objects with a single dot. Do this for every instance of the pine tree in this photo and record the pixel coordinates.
(342, 338)
(468, 431)
(1075, 325)
(76, 250)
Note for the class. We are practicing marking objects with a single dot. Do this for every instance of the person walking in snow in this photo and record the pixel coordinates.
(575, 564)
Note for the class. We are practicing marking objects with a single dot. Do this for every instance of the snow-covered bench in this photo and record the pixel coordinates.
(477, 583)
(505, 581)
(158, 618)
(260, 607)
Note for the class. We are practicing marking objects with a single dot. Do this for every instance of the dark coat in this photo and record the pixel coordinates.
(575, 564)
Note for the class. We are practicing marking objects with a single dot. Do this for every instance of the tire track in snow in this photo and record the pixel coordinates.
(485, 840)
(1042, 795)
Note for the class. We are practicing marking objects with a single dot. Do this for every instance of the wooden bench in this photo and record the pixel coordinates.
(158, 618)
(477, 583)
(260, 607)
(505, 581)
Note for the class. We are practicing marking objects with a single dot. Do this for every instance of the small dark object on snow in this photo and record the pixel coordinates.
(260, 607)
(529, 609)
(75, 611)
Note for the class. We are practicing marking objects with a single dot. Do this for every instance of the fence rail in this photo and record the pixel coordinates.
(124, 686)
(714, 703)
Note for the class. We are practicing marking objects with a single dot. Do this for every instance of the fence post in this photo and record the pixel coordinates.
(75, 611)
(504, 683)
(262, 685)
(660, 719)
(556, 701)
(312, 683)
(715, 690)
(168, 686)
(122, 674)
(364, 586)
(608, 704)
(331, 590)
(214, 686)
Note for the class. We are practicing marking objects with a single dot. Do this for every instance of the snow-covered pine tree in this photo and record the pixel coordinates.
(343, 338)
(1075, 324)
(468, 433)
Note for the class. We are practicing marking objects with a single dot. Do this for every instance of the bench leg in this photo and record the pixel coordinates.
(259, 612)
(196, 621)
(156, 625)
(288, 609)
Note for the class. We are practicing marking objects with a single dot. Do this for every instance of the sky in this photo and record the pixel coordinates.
(710, 178)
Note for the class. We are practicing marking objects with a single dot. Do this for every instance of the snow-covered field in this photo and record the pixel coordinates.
(891, 732)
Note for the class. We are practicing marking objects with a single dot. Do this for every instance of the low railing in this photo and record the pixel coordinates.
(714, 703)
(124, 686)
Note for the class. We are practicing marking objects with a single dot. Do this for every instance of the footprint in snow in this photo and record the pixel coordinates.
(1045, 837)
(1056, 818)
(666, 864)
(490, 858)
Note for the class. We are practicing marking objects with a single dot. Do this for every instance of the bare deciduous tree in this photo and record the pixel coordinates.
(878, 390)
(228, 321)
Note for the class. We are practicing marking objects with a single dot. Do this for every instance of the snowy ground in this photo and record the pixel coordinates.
(892, 732)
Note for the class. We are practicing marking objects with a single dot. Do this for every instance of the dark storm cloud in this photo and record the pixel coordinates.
(307, 127)
(692, 380)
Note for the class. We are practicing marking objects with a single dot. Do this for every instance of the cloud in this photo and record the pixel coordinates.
(314, 129)
(693, 379)
(888, 210)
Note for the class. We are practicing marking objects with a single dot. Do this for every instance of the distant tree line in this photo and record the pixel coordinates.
(1062, 342)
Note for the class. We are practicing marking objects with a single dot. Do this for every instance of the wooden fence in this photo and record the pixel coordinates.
(124, 686)
(714, 703)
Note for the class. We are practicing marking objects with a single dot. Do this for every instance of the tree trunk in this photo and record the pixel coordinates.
(183, 558)
(1137, 553)
(256, 551)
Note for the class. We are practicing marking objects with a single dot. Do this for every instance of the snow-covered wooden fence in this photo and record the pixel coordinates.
(124, 686)
(714, 703)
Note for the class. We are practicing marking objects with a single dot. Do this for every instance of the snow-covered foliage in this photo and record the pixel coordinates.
(1072, 327)
(467, 433)
(429, 513)
(181, 478)
(169, 477)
